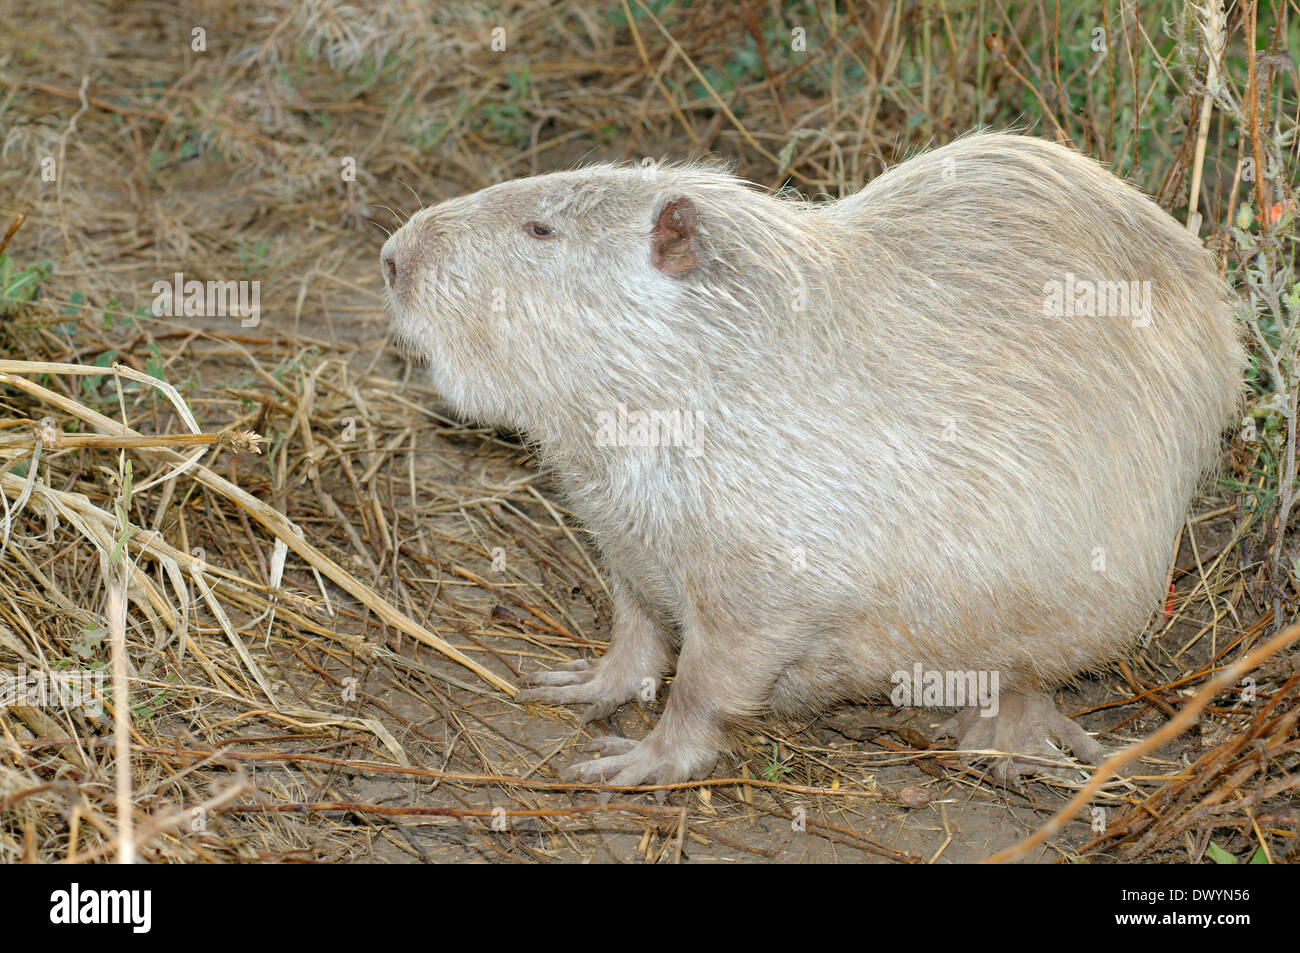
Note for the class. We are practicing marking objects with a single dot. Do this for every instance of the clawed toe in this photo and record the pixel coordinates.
(602, 705)
(600, 710)
(554, 695)
(1041, 760)
(558, 678)
(567, 673)
(610, 745)
(1085, 747)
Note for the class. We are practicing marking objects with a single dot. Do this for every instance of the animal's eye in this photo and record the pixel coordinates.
(538, 230)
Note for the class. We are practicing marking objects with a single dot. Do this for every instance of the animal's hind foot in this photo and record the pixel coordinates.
(1023, 729)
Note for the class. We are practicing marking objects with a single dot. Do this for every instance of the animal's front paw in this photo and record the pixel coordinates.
(604, 684)
(628, 762)
(1023, 728)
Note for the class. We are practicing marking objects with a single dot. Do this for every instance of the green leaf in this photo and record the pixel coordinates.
(121, 544)
(1219, 855)
(75, 301)
(91, 637)
(153, 365)
(786, 155)
(17, 289)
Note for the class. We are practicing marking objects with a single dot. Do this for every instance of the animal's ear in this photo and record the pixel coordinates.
(674, 245)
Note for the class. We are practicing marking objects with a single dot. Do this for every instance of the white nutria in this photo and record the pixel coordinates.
(955, 419)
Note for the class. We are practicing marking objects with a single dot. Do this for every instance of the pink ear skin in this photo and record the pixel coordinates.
(672, 243)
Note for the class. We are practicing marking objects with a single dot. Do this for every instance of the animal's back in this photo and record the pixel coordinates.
(1042, 456)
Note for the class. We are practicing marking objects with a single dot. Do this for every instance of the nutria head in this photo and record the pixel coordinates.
(545, 297)
(524, 291)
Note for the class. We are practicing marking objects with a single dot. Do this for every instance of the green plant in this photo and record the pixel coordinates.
(505, 115)
(775, 768)
(1251, 93)
(1220, 856)
(18, 286)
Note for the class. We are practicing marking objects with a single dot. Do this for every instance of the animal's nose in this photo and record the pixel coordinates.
(388, 263)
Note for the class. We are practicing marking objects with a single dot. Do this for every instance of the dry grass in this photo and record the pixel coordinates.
(322, 590)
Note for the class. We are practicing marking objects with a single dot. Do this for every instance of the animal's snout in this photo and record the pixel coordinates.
(407, 252)
(388, 263)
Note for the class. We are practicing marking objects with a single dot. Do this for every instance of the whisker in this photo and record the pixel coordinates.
(381, 225)
(419, 203)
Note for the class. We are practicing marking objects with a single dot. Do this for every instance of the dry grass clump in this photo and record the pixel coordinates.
(83, 524)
